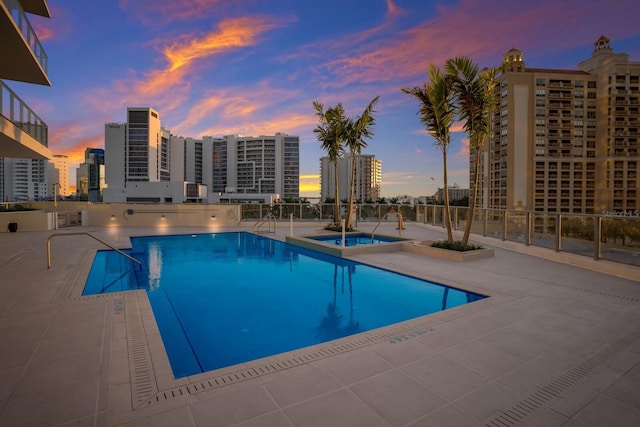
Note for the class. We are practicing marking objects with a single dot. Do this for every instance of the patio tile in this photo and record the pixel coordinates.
(337, 408)
(273, 419)
(482, 358)
(605, 411)
(42, 376)
(516, 343)
(487, 400)
(232, 408)
(573, 400)
(548, 418)
(397, 398)
(301, 383)
(52, 406)
(626, 389)
(177, 417)
(449, 416)
(525, 377)
(446, 377)
(355, 366)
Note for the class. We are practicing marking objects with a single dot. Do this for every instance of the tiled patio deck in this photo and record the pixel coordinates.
(556, 345)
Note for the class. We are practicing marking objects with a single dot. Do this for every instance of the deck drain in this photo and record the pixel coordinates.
(143, 384)
(528, 406)
(275, 364)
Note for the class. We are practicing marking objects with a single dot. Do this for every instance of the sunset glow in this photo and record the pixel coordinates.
(249, 67)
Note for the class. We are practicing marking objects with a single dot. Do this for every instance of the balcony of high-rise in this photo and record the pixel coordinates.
(23, 133)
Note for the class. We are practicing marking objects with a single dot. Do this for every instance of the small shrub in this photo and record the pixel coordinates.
(455, 246)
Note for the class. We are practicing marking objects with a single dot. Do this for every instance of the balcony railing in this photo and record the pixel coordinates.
(614, 236)
(17, 111)
(23, 24)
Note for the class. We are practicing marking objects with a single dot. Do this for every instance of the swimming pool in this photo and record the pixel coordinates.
(227, 298)
(358, 239)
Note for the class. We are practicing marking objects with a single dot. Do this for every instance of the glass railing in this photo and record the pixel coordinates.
(23, 24)
(15, 110)
(613, 236)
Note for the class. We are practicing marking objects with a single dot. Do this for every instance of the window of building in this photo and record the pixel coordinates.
(540, 122)
(578, 94)
(540, 103)
(540, 82)
(541, 92)
(539, 132)
(579, 83)
(591, 85)
(503, 132)
(578, 103)
(540, 142)
(578, 123)
(540, 112)
(591, 95)
(577, 132)
(539, 152)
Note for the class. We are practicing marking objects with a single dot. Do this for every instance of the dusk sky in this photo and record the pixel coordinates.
(253, 67)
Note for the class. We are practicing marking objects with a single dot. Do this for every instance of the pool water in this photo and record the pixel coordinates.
(354, 239)
(227, 298)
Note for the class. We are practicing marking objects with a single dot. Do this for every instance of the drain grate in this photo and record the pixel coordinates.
(401, 332)
(143, 383)
(528, 406)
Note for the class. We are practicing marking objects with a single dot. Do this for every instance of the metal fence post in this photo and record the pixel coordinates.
(527, 230)
(597, 230)
(505, 219)
(558, 232)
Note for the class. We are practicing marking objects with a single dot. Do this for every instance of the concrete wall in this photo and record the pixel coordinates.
(124, 215)
(27, 220)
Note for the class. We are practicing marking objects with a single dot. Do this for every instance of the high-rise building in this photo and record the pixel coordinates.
(90, 178)
(58, 174)
(238, 167)
(368, 177)
(23, 135)
(140, 153)
(564, 140)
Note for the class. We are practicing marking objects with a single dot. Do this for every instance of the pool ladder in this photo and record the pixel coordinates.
(400, 223)
(90, 235)
(271, 219)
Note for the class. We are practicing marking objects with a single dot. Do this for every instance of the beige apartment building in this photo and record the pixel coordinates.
(564, 140)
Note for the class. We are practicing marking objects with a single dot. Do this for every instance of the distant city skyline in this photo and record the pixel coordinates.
(250, 68)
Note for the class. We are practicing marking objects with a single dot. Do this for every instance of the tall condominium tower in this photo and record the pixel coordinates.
(564, 140)
(233, 164)
(368, 177)
(137, 151)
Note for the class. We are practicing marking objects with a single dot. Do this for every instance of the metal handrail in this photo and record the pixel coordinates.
(87, 234)
(271, 218)
(382, 219)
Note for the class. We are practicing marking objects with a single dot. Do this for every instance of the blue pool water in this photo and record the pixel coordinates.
(227, 298)
(354, 239)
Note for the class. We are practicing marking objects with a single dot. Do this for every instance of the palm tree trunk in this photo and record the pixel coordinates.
(336, 208)
(472, 197)
(447, 209)
(351, 189)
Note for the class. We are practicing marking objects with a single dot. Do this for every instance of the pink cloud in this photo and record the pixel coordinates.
(472, 29)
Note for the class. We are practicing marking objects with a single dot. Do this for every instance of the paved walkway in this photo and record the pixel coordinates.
(556, 345)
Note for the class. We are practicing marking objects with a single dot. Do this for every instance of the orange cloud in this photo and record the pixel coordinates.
(169, 86)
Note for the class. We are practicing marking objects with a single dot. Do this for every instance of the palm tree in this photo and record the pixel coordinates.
(475, 100)
(330, 133)
(437, 113)
(356, 131)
